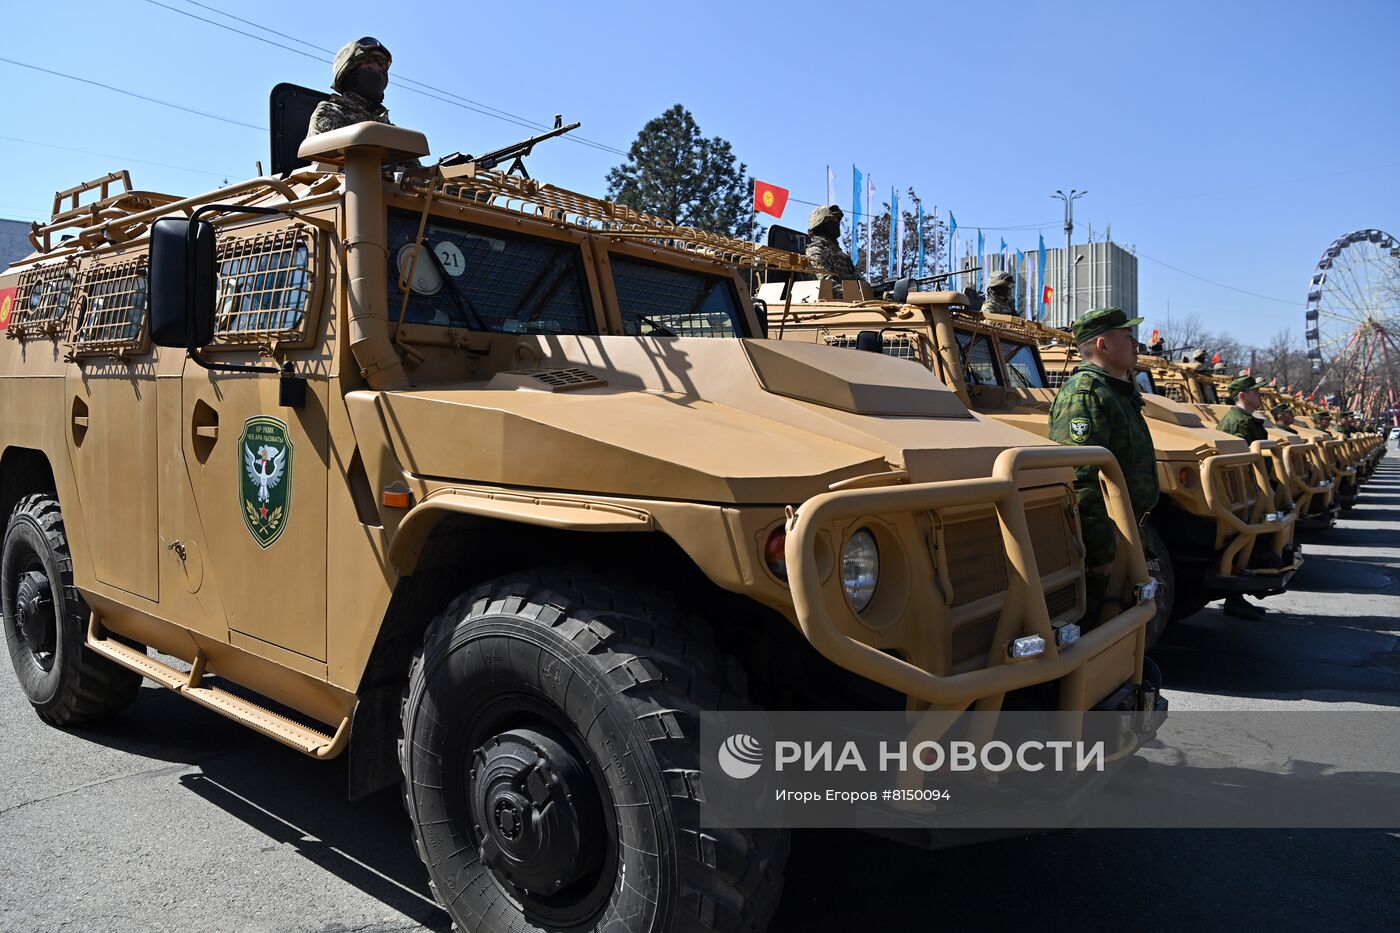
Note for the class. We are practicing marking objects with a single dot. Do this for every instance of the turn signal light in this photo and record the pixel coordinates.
(775, 553)
(396, 497)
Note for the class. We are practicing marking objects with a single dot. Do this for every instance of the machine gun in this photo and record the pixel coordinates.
(461, 163)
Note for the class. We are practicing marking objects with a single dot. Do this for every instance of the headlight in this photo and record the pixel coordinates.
(860, 568)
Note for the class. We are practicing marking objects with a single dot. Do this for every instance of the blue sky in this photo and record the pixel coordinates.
(1233, 140)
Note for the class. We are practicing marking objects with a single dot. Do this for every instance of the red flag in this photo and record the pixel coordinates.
(7, 306)
(1215, 360)
(770, 199)
(1156, 335)
(1048, 294)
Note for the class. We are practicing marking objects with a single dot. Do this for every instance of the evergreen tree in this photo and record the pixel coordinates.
(674, 172)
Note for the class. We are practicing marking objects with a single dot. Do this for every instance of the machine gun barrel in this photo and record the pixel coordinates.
(515, 151)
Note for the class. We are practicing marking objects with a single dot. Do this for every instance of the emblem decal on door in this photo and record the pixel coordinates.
(265, 482)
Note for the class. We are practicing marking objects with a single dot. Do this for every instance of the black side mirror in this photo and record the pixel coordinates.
(870, 342)
(183, 274)
(900, 294)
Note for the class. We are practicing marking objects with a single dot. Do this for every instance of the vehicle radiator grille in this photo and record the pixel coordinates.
(976, 559)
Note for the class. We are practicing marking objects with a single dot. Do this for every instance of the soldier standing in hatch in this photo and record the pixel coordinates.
(824, 247)
(1100, 404)
(1001, 297)
(1283, 417)
(359, 75)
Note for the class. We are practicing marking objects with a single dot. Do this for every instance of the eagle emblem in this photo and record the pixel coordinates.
(1079, 428)
(265, 484)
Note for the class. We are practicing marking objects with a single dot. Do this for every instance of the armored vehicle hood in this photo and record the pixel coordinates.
(741, 421)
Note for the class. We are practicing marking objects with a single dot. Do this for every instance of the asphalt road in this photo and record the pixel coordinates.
(172, 818)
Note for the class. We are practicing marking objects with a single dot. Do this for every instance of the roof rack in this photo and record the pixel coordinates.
(119, 216)
(1023, 326)
(527, 196)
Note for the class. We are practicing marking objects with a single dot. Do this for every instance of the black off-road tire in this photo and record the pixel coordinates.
(1155, 549)
(618, 673)
(64, 681)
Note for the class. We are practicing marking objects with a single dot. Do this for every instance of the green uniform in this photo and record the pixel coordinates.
(1095, 408)
(1241, 423)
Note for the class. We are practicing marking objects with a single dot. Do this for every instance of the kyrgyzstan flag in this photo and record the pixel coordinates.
(769, 199)
(1047, 295)
(1215, 360)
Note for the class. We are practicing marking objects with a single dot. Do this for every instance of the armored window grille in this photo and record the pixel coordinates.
(112, 308)
(658, 301)
(899, 346)
(41, 301)
(484, 278)
(1057, 378)
(265, 283)
(1022, 365)
(979, 359)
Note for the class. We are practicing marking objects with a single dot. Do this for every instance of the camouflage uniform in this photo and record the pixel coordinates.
(1242, 424)
(1239, 422)
(1001, 298)
(346, 107)
(1094, 407)
(823, 228)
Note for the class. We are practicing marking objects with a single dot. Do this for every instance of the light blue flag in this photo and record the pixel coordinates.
(1016, 294)
(952, 241)
(1040, 279)
(921, 240)
(894, 227)
(981, 249)
(855, 216)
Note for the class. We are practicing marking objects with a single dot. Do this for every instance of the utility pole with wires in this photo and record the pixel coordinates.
(1069, 200)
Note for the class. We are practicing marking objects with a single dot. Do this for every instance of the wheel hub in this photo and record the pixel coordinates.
(535, 811)
(34, 616)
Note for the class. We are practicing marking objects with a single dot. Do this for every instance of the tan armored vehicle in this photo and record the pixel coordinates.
(1334, 458)
(1221, 527)
(495, 487)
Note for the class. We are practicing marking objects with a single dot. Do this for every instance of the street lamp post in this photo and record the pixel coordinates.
(1069, 200)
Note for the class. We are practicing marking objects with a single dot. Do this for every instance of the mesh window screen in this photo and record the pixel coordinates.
(112, 313)
(264, 285)
(660, 302)
(899, 346)
(41, 300)
(482, 279)
(979, 359)
(1022, 365)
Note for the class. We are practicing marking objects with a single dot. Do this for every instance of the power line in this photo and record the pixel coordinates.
(424, 89)
(153, 100)
(109, 155)
(1291, 304)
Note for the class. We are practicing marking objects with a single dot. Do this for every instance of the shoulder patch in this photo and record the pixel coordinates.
(1079, 428)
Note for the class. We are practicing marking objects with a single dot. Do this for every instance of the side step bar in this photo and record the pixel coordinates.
(292, 734)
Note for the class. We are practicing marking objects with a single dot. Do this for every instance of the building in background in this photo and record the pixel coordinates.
(1106, 277)
(14, 242)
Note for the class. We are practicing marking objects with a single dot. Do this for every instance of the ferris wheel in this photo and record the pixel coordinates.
(1353, 322)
